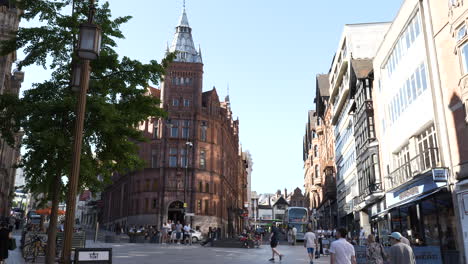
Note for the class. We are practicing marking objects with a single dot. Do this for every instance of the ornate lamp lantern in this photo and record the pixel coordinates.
(89, 42)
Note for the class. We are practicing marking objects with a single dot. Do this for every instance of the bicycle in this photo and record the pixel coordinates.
(34, 248)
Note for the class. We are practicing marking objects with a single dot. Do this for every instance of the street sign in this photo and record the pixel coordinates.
(93, 255)
(189, 214)
(440, 175)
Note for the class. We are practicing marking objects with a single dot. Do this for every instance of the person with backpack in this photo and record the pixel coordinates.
(375, 252)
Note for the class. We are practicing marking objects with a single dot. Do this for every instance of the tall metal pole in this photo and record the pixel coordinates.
(75, 172)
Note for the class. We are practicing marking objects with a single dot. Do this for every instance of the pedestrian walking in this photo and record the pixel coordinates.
(164, 230)
(294, 234)
(405, 240)
(311, 244)
(342, 252)
(375, 253)
(5, 236)
(362, 237)
(209, 238)
(274, 238)
(187, 235)
(399, 251)
(289, 235)
(178, 230)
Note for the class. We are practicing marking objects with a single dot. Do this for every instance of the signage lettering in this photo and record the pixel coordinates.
(424, 255)
(409, 193)
(439, 175)
(93, 255)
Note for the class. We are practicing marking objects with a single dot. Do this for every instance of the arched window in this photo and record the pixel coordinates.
(316, 151)
(317, 171)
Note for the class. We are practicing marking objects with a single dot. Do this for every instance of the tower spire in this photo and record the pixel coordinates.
(183, 41)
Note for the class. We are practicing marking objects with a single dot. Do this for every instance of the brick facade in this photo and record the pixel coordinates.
(10, 83)
(199, 128)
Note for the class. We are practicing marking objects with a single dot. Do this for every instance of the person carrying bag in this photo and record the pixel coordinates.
(375, 252)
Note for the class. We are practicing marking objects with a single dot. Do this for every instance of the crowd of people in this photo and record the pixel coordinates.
(341, 246)
(170, 232)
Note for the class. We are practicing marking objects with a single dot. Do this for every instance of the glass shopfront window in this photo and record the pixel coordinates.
(428, 222)
(431, 226)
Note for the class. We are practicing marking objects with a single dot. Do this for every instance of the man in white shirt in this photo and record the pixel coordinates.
(294, 234)
(342, 252)
(362, 237)
(310, 243)
(187, 235)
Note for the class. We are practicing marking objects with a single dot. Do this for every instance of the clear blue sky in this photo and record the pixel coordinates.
(267, 51)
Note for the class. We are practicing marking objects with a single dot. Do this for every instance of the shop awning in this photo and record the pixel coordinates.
(409, 201)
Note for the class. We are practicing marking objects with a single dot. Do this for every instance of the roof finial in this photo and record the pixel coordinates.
(227, 99)
(184, 5)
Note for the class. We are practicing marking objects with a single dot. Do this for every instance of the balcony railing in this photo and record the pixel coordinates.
(424, 161)
(371, 189)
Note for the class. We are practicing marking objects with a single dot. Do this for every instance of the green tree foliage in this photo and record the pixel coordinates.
(117, 99)
(117, 102)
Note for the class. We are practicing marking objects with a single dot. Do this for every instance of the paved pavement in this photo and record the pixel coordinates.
(125, 253)
(195, 254)
(14, 257)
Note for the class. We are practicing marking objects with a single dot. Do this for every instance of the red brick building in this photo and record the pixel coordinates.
(11, 83)
(326, 186)
(193, 157)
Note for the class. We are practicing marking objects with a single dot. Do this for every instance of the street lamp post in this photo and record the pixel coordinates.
(88, 49)
(167, 125)
(188, 144)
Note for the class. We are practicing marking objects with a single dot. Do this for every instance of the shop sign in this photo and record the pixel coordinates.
(412, 190)
(440, 175)
(424, 255)
(93, 255)
(427, 255)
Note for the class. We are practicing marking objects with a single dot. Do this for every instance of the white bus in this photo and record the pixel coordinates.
(297, 217)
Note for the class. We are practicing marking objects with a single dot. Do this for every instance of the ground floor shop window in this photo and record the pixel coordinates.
(429, 222)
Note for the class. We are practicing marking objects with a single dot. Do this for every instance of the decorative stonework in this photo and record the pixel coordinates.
(464, 94)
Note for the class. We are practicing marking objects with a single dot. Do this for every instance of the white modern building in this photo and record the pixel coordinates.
(412, 138)
(358, 41)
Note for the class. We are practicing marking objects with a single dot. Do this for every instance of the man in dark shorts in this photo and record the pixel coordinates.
(274, 238)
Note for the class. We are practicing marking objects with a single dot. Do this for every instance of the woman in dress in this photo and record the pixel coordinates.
(5, 236)
(375, 253)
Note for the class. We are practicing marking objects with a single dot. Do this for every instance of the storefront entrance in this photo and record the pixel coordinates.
(429, 222)
(175, 212)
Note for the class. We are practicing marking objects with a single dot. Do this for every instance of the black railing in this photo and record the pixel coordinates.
(424, 161)
(370, 189)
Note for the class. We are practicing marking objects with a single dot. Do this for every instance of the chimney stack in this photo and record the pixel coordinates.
(285, 193)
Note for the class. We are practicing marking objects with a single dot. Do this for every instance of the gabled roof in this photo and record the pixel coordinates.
(154, 92)
(312, 119)
(281, 200)
(361, 67)
(323, 84)
(210, 95)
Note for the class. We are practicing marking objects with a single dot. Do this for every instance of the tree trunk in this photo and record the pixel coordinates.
(52, 231)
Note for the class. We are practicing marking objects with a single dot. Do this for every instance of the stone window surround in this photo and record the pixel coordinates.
(463, 83)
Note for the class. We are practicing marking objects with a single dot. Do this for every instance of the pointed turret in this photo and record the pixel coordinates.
(183, 42)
